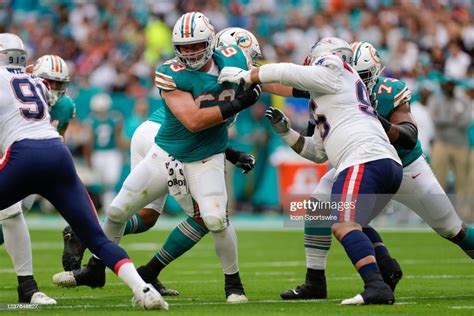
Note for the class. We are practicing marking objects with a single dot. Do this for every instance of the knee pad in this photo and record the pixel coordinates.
(215, 223)
(118, 215)
(10, 211)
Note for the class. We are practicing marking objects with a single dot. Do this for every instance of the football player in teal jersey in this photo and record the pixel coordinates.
(419, 191)
(54, 70)
(141, 142)
(191, 145)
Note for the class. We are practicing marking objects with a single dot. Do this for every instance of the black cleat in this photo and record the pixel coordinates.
(26, 290)
(391, 271)
(92, 275)
(376, 291)
(161, 288)
(234, 290)
(73, 250)
(306, 292)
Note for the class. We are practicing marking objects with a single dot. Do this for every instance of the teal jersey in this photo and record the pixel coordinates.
(158, 116)
(62, 112)
(104, 130)
(391, 93)
(173, 136)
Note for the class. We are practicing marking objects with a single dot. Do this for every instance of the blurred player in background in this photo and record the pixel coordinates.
(350, 136)
(191, 146)
(420, 191)
(35, 161)
(103, 151)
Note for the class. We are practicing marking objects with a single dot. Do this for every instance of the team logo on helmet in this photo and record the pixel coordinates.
(374, 54)
(243, 40)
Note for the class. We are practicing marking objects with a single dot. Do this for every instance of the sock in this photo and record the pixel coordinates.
(24, 278)
(181, 239)
(465, 240)
(379, 247)
(134, 225)
(313, 275)
(1, 235)
(113, 230)
(317, 242)
(18, 244)
(127, 272)
(225, 243)
(358, 246)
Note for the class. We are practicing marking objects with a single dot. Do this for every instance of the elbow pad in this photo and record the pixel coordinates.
(408, 135)
(311, 152)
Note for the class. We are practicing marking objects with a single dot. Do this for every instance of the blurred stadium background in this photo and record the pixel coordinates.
(115, 46)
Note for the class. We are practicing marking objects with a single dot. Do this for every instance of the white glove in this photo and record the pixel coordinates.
(234, 75)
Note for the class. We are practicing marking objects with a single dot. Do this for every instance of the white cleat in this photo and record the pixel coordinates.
(356, 300)
(237, 299)
(64, 279)
(42, 299)
(148, 298)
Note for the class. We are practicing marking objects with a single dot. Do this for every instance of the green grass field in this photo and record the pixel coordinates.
(439, 278)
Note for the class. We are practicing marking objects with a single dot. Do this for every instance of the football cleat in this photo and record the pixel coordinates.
(237, 298)
(375, 292)
(234, 290)
(148, 298)
(92, 275)
(391, 271)
(42, 299)
(73, 250)
(161, 288)
(305, 292)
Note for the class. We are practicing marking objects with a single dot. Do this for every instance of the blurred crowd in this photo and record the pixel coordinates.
(113, 47)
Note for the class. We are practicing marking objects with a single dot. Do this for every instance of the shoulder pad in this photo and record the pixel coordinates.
(166, 73)
(395, 90)
(328, 61)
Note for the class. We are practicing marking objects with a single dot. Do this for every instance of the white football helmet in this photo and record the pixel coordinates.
(330, 45)
(367, 62)
(53, 69)
(12, 50)
(193, 28)
(242, 38)
(101, 102)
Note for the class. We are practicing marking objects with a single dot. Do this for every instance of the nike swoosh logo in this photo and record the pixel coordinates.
(415, 176)
(205, 160)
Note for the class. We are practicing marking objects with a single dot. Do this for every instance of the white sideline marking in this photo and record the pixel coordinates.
(461, 307)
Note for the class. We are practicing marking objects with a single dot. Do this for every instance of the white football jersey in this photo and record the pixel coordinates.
(348, 127)
(23, 108)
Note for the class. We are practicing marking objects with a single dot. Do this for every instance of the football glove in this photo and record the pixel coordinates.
(234, 75)
(280, 122)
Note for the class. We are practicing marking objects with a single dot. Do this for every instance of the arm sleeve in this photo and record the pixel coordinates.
(318, 78)
(313, 149)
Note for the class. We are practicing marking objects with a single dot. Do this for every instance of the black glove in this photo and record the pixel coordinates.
(280, 122)
(246, 162)
(243, 99)
(241, 160)
(249, 96)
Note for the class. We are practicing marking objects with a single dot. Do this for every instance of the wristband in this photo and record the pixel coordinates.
(290, 137)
